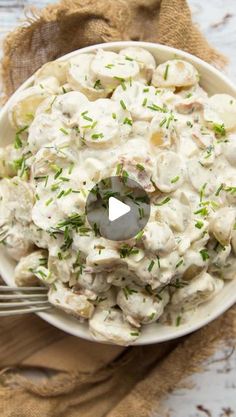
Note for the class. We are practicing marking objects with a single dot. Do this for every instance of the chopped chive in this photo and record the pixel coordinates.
(162, 122)
(97, 135)
(151, 265)
(204, 254)
(18, 143)
(64, 131)
(179, 263)
(178, 321)
(144, 102)
(202, 211)
(157, 108)
(113, 116)
(58, 173)
(231, 190)
(128, 58)
(166, 200)
(119, 169)
(127, 250)
(71, 167)
(122, 104)
(97, 85)
(61, 194)
(67, 192)
(125, 176)
(202, 191)
(55, 187)
(219, 129)
(46, 181)
(134, 334)
(199, 224)
(128, 121)
(169, 120)
(140, 167)
(139, 235)
(151, 316)
(175, 179)
(166, 72)
(122, 82)
(49, 201)
(219, 189)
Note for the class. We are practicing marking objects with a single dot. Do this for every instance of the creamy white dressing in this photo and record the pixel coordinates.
(104, 114)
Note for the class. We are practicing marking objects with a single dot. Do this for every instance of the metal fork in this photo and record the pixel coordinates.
(23, 300)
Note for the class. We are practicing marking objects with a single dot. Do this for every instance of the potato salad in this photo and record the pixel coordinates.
(123, 114)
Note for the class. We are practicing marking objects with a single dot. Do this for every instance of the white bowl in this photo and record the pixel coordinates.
(213, 82)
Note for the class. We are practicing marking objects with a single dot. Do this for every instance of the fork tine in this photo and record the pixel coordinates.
(23, 304)
(21, 296)
(4, 288)
(23, 311)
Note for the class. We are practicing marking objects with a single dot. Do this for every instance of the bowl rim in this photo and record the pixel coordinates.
(54, 319)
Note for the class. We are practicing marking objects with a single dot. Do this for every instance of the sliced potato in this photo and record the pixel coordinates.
(174, 213)
(16, 243)
(142, 101)
(103, 123)
(24, 274)
(222, 224)
(23, 108)
(201, 289)
(50, 84)
(17, 199)
(46, 129)
(81, 78)
(110, 326)
(111, 68)
(144, 58)
(162, 130)
(8, 157)
(56, 69)
(158, 238)
(139, 306)
(220, 113)
(69, 105)
(202, 179)
(169, 173)
(175, 73)
(72, 303)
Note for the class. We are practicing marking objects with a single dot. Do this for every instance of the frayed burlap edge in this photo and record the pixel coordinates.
(117, 20)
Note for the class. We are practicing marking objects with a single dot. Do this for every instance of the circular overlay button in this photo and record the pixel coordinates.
(117, 208)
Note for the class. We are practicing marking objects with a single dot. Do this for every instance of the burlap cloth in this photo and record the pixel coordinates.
(92, 379)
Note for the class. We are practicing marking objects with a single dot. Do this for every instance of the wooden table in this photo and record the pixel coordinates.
(214, 393)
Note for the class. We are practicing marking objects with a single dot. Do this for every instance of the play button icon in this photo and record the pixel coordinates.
(117, 208)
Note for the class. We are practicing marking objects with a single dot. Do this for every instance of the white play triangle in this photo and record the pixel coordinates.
(117, 209)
